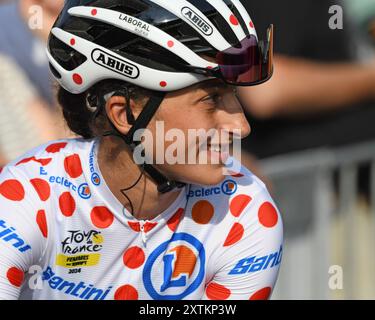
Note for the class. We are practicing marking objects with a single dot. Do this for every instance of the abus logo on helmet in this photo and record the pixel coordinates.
(115, 64)
(197, 20)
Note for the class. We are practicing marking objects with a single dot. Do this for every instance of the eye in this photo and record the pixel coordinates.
(212, 98)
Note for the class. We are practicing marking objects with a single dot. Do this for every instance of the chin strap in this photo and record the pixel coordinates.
(164, 184)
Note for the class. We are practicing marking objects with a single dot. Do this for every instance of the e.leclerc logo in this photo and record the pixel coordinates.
(229, 187)
(181, 261)
(84, 191)
(95, 178)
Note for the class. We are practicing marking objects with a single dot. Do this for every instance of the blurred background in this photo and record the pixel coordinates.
(313, 132)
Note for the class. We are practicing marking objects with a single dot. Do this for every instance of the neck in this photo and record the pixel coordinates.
(120, 172)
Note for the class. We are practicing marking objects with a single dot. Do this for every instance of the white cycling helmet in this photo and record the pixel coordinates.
(161, 45)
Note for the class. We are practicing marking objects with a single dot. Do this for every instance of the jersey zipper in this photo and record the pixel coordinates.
(143, 233)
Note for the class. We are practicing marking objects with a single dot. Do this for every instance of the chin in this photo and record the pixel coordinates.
(205, 176)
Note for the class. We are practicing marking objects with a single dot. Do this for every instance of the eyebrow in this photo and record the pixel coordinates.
(212, 84)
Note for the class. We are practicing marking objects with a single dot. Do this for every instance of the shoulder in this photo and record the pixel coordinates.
(53, 149)
(233, 197)
(59, 155)
(243, 219)
(238, 211)
(30, 181)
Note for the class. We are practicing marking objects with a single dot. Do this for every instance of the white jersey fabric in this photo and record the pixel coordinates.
(63, 235)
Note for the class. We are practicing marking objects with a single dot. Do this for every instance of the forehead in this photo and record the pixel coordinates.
(199, 88)
(210, 84)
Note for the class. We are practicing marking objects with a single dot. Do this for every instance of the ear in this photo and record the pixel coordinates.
(116, 111)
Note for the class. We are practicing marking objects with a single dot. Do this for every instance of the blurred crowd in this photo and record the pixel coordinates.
(322, 92)
(29, 113)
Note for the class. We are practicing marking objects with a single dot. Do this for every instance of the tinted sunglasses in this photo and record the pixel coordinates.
(247, 64)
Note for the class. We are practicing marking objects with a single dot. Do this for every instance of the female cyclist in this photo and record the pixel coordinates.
(89, 219)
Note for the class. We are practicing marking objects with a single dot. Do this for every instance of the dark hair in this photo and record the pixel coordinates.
(87, 117)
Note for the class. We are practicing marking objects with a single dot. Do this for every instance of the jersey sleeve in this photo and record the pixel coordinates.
(23, 228)
(246, 264)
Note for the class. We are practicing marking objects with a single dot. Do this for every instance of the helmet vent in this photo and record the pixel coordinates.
(190, 37)
(66, 56)
(54, 71)
(217, 20)
(131, 7)
(98, 30)
(237, 14)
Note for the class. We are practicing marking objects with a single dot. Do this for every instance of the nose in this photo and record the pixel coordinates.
(233, 120)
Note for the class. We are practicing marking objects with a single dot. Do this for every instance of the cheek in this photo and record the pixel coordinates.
(181, 115)
(171, 128)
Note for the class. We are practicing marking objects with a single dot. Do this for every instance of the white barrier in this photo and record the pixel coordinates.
(324, 226)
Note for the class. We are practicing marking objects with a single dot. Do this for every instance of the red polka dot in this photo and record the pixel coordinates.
(12, 190)
(238, 204)
(134, 257)
(72, 41)
(101, 217)
(236, 175)
(41, 220)
(136, 226)
(126, 292)
(233, 20)
(149, 226)
(42, 188)
(56, 147)
(163, 84)
(15, 276)
(210, 67)
(67, 204)
(215, 291)
(77, 79)
(73, 166)
(26, 160)
(42, 162)
(235, 235)
(94, 12)
(170, 43)
(175, 220)
(267, 215)
(251, 25)
(262, 294)
(202, 212)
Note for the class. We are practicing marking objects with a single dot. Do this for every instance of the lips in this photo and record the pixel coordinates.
(219, 153)
(218, 147)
